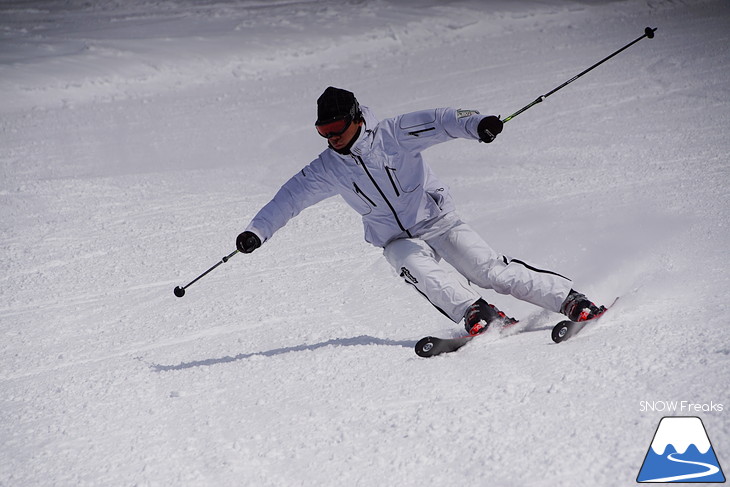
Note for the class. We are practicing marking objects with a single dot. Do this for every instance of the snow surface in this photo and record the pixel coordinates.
(140, 136)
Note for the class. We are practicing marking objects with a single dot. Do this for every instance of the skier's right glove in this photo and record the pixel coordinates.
(488, 128)
(247, 242)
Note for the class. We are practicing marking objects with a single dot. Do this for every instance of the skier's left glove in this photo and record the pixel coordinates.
(488, 128)
(247, 242)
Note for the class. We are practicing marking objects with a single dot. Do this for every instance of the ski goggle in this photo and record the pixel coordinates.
(334, 129)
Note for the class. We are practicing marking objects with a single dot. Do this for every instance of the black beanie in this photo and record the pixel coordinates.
(336, 104)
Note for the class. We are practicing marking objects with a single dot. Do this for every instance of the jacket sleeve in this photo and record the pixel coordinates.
(420, 130)
(306, 188)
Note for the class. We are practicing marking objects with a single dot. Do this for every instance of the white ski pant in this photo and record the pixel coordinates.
(417, 261)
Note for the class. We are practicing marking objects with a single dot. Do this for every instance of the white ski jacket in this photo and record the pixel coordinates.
(384, 177)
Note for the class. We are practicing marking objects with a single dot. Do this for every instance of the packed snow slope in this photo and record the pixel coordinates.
(140, 137)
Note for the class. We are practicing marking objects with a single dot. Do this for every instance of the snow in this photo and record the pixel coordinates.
(140, 137)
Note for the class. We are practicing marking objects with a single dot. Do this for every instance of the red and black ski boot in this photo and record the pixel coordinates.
(481, 315)
(579, 308)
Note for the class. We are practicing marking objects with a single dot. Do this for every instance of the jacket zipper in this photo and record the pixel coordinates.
(361, 193)
(392, 180)
(417, 132)
(382, 194)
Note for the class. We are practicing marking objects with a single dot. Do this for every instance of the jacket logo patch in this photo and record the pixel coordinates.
(406, 274)
(466, 113)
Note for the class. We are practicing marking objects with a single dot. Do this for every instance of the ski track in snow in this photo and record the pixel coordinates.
(139, 138)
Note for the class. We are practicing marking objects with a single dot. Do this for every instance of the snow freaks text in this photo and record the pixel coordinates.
(680, 407)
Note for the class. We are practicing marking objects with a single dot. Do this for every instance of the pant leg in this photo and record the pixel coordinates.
(464, 249)
(418, 264)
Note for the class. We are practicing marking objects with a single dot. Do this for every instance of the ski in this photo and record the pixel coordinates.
(566, 328)
(432, 346)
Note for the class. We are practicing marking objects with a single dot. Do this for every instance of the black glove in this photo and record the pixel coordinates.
(247, 242)
(488, 128)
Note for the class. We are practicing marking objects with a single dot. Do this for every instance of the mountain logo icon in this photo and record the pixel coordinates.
(681, 452)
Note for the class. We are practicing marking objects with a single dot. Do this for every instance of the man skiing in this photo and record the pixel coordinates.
(378, 170)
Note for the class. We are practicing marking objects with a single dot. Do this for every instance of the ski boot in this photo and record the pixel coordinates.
(480, 315)
(579, 308)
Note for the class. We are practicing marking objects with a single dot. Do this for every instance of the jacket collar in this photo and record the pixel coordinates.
(365, 142)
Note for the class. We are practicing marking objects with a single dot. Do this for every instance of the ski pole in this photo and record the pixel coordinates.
(180, 291)
(648, 32)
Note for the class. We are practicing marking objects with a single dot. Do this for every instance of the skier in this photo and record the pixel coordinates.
(377, 168)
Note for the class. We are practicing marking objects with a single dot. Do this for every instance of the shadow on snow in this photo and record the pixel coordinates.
(336, 342)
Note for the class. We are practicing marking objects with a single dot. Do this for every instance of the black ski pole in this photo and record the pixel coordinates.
(648, 32)
(180, 291)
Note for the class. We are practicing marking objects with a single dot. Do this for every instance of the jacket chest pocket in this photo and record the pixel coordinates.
(395, 181)
(363, 204)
